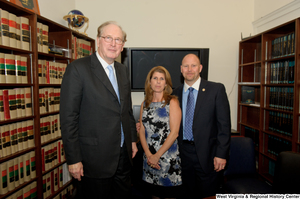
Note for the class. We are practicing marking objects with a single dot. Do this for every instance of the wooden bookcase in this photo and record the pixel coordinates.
(273, 119)
(58, 35)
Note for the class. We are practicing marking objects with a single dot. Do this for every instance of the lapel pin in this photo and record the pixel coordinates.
(203, 89)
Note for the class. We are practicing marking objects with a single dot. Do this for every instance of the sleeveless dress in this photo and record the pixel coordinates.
(156, 121)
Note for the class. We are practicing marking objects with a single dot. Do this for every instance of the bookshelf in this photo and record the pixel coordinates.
(47, 53)
(268, 64)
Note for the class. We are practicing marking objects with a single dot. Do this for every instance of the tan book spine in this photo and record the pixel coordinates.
(60, 176)
(25, 33)
(44, 71)
(24, 134)
(45, 38)
(52, 130)
(55, 154)
(42, 132)
(48, 184)
(46, 93)
(18, 32)
(18, 69)
(13, 137)
(6, 140)
(40, 71)
(16, 172)
(55, 179)
(2, 69)
(6, 105)
(19, 194)
(21, 169)
(39, 36)
(32, 164)
(28, 102)
(1, 153)
(1, 106)
(3, 178)
(12, 103)
(47, 73)
(48, 131)
(43, 151)
(51, 99)
(44, 186)
(10, 68)
(5, 27)
(26, 192)
(24, 69)
(19, 102)
(11, 177)
(56, 132)
(20, 136)
(30, 133)
(42, 100)
(26, 162)
(23, 102)
(12, 30)
(33, 191)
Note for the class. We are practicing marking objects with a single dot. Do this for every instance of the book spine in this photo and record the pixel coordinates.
(16, 170)
(32, 164)
(10, 69)
(24, 70)
(18, 102)
(21, 169)
(12, 30)
(30, 133)
(26, 162)
(5, 28)
(2, 68)
(24, 135)
(13, 137)
(2, 118)
(25, 33)
(20, 136)
(11, 177)
(45, 38)
(18, 32)
(33, 190)
(3, 178)
(28, 102)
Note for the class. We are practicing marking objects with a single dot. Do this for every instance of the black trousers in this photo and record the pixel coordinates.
(116, 187)
(195, 181)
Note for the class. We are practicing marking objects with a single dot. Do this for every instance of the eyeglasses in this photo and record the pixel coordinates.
(109, 39)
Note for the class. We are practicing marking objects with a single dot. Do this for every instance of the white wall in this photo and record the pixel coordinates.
(215, 24)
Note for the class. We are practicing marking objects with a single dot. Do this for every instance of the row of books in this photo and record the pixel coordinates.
(80, 48)
(28, 192)
(42, 37)
(16, 137)
(66, 193)
(281, 123)
(282, 98)
(52, 154)
(253, 134)
(49, 99)
(50, 72)
(15, 103)
(49, 128)
(16, 171)
(14, 31)
(277, 145)
(56, 179)
(282, 72)
(283, 46)
(13, 69)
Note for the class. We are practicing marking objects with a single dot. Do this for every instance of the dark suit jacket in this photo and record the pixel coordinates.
(91, 116)
(211, 124)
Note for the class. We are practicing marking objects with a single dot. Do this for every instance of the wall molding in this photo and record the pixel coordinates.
(282, 15)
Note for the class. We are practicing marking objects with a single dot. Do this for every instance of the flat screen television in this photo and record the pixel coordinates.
(141, 60)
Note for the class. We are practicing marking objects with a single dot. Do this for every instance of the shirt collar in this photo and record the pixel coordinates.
(196, 85)
(103, 63)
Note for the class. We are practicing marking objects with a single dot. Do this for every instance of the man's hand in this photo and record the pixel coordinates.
(76, 170)
(134, 149)
(219, 164)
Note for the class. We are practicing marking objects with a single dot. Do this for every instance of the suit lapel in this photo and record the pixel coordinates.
(201, 94)
(99, 71)
(120, 80)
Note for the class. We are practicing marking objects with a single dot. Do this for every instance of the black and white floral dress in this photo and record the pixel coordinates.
(156, 121)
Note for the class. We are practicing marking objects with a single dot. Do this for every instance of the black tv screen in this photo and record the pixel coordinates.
(141, 60)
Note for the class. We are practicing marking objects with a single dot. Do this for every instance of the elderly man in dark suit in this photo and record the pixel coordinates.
(204, 136)
(98, 128)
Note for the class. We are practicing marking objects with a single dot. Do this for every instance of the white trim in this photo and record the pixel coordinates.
(284, 14)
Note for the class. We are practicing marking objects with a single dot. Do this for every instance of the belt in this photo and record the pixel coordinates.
(188, 142)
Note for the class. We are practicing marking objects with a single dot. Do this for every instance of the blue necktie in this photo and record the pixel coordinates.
(113, 81)
(189, 115)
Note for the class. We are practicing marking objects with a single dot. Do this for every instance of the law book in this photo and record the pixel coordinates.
(43, 151)
(48, 128)
(6, 144)
(44, 186)
(2, 68)
(40, 74)
(47, 73)
(56, 179)
(25, 134)
(2, 118)
(46, 97)
(18, 68)
(21, 169)
(12, 103)
(59, 151)
(1, 155)
(19, 102)
(10, 68)
(5, 27)
(11, 177)
(12, 30)
(291, 72)
(52, 129)
(60, 170)
(25, 33)
(42, 100)
(45, 38)
(33, 190)
(18, 31)
(26, 163)
(13, 137)
(42, 129)
(30, 133)
(20, 136)
(39, 36)
(48, 184)
(56, 125)
(3, 178)
(23, 102)
(32, 164)
(6, 109)
(24, 69)
(51, 72)
(47, 157)
(44, 71)
(28, 102)
(56, 99)
(16, 172)
(55, 160)
(19, 194)
(26, 192)
(51, 99)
